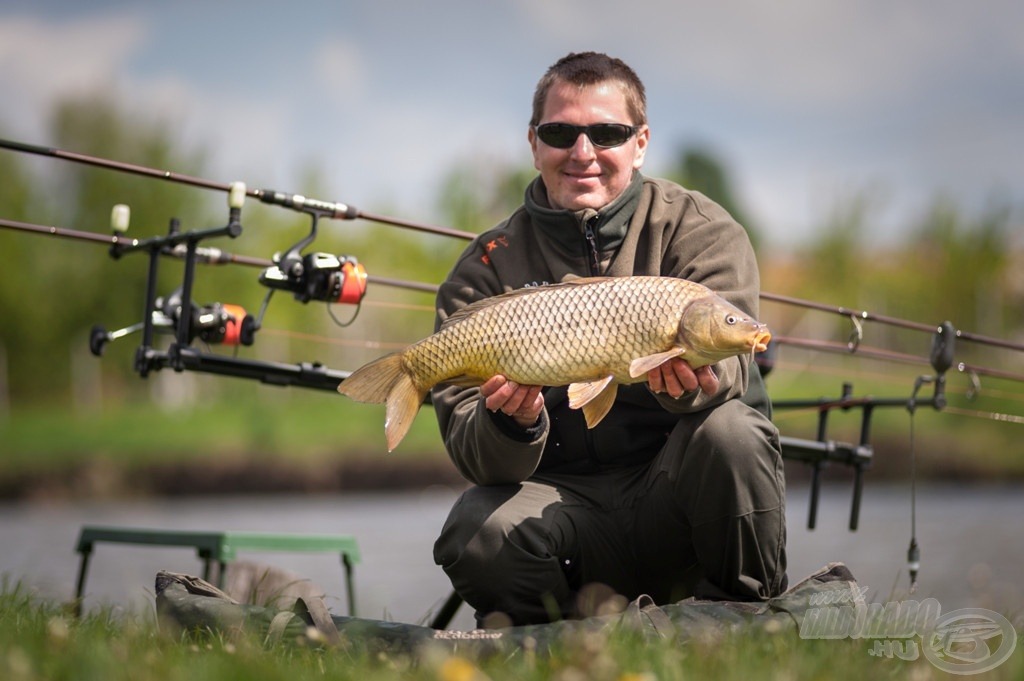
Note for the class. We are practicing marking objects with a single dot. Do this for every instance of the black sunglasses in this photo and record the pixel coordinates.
(604, 135)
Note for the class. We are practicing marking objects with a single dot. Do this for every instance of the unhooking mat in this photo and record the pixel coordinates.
(189, 603)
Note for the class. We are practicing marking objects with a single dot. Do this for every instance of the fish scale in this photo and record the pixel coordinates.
(517, 336)
(591, 334)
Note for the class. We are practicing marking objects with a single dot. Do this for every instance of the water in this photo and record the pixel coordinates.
(971, 538)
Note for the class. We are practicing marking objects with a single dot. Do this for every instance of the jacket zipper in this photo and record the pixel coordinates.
(594, 266)
(594, 257)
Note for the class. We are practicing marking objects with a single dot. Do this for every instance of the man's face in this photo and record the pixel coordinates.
(586, 176)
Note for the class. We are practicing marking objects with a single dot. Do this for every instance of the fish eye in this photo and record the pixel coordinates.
(731, 319)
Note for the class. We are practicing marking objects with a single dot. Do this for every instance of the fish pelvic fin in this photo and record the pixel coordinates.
(641, 365)
(387, 381)
(595, 398)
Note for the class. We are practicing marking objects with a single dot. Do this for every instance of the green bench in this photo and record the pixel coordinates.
(219, 547)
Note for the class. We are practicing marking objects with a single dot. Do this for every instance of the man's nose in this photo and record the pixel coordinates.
(583, 147)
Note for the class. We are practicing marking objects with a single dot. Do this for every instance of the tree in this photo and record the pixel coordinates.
(55, 290)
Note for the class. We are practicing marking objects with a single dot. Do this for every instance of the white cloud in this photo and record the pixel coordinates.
(341, 68)
(41, 62)
(791, 55)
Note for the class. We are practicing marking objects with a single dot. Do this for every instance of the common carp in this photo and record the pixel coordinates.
(588, 333)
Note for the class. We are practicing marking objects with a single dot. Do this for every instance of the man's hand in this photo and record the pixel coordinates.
(522, 402)
(675, 377)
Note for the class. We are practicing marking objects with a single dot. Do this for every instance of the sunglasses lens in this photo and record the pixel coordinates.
(609, 134)
(564, 135)
(558, 135)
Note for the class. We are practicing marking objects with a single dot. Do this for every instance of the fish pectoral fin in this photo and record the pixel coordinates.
(641, 365)
(595, 398)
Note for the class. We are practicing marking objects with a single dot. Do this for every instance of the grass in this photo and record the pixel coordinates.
(40, 640)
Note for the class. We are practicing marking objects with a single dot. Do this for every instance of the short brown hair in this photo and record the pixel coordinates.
(589, 68)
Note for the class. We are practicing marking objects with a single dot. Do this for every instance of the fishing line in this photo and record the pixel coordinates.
(399, 306)
(989, 415)
(971, 393)
(330, 312)
(913, 551)
(356, 343)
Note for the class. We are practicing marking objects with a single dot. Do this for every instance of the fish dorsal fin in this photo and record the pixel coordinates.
(499, 298)
(594, 397)
(641, 365)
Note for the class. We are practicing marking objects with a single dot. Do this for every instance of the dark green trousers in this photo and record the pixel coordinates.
(705, 518)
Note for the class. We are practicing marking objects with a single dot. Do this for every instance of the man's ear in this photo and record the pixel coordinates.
(531, 137)
(643, 137)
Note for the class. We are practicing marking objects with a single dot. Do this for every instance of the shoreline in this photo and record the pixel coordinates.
(98, 478)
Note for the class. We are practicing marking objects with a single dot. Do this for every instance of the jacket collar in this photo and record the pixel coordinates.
(565, 227)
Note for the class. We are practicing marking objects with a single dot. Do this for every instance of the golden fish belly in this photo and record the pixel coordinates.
(558, 336)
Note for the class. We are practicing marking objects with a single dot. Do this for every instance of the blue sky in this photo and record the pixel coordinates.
(807, 102)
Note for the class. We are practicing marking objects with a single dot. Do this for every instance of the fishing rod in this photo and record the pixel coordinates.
(328, 209)
(863, 315)
(820, 451)
(215, 323)
(337, 210)
(309, 276)
(211, 255)
(314, 276)
(205, 255)
(342, 211)
(882, 354)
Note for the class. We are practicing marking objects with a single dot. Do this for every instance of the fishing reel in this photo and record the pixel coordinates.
(318, 276)
(315, 276)
(214, 324)
(322, 277)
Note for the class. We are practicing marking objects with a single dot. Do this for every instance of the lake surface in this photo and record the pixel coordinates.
(971, 539)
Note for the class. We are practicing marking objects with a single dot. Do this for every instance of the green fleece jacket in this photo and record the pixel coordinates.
(655, 227)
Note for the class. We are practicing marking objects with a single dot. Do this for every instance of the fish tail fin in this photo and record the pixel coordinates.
(386, 381)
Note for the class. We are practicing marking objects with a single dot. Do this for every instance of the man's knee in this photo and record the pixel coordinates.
(474, 519)
(487, 520)
(494, 548)
(726, 459)
(732, 436)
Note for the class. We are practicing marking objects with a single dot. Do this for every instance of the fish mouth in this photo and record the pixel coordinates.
(761, 341)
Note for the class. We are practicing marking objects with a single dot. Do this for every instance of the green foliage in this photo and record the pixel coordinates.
(951, 266)
(963, 266)
(55, 290)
